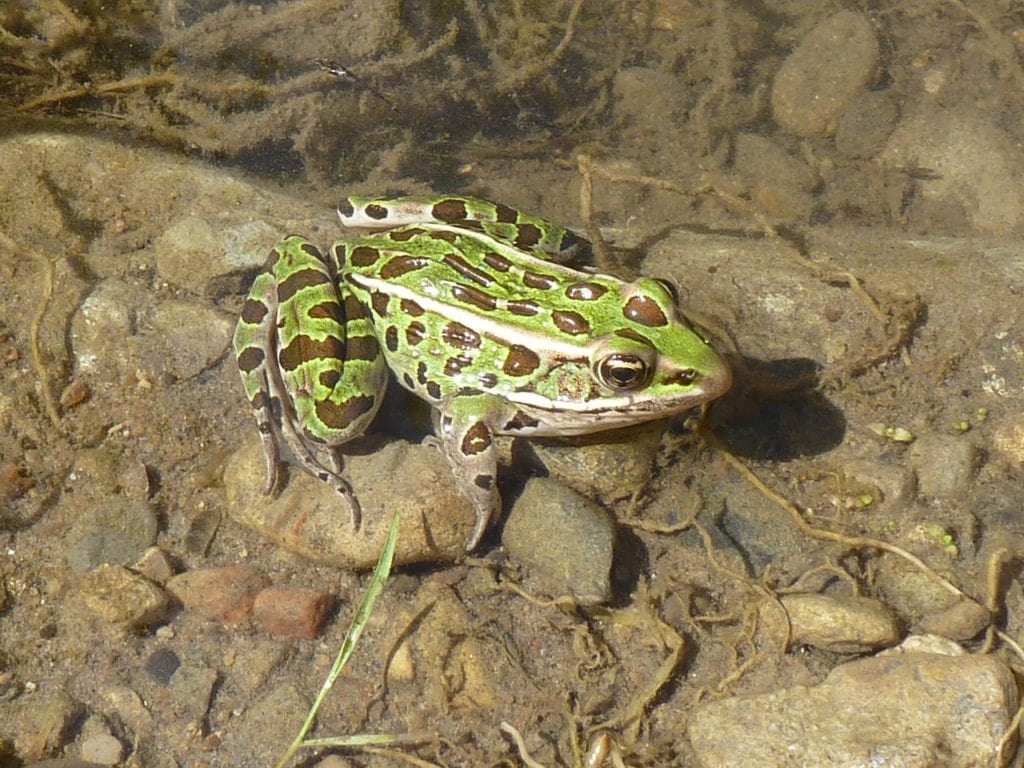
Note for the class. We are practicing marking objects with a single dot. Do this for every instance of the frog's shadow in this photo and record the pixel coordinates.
(775, 411)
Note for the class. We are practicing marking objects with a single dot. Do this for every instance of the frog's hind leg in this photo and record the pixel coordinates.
(321, 377)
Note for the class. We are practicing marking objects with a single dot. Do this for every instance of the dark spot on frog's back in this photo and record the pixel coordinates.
(497, 262)
(527, 236)
(375, 211)
(250, 359)
(644, 311)
(474, 297)
(340, 415)
(330, 378)
(415, 332)
(379, 302)
(572, 323)
(323, 310)
(410, 307)
(520, 361)
(397, 266)
(585, 291)
(434, 390)
(538, 281)
(504, 214)
(449, 210)
(466, 270)
(253, 311)
(522, 307)
(454, 365)
(403, 235)
(448, 237)
(363, 256)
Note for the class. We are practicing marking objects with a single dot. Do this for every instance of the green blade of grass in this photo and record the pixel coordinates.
(380, 575)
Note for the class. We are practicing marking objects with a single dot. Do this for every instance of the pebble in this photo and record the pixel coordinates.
(839, 624)
(191, 689)
(113, 529)
(781, 184)
(909, 591)
(103, 749)
(609, 467)
(195, 254)
(123, 598)
(963, 620)
(944, 464)
(161, 664)
(154, 565)
(311, 520)
(830, 67)
(566, 540)
(907, 709)
(48, 716)
(225, 594)
(292, 612)
(119, 332)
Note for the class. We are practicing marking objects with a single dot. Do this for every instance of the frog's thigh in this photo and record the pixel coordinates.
(330, 362)
(468, 442)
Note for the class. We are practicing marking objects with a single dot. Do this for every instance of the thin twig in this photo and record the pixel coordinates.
(49, 402)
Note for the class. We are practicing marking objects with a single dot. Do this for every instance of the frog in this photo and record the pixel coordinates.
(483, 311)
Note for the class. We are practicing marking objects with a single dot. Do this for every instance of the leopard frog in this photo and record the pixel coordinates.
(474, 308)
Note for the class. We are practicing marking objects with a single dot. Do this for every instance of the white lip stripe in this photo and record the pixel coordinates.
(481, 323)
(627, 405)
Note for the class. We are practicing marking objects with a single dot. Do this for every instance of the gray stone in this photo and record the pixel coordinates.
(113, 530)
(564, 538)
(944, 464)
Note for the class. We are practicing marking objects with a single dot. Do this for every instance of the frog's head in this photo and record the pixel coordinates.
(657, 362)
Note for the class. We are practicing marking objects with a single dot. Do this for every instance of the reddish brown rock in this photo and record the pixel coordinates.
(292, 612)
(225, 594)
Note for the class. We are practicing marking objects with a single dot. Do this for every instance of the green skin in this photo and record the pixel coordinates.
(471, 306)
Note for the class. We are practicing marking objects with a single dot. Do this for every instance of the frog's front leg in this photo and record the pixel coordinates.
(309, 362)
(465, 434)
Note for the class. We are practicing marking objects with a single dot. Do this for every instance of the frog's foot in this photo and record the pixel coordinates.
(331, 475)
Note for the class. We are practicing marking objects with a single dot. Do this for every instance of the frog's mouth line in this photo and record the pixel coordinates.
(626, 406)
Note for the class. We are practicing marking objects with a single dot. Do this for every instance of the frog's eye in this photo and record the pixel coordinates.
(623, 372)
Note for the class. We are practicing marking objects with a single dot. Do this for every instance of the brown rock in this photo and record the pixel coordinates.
(226, 594)
(292, 612)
